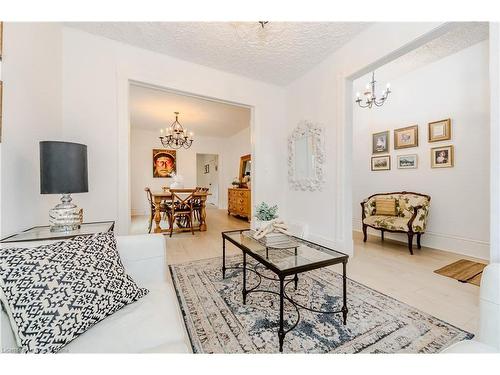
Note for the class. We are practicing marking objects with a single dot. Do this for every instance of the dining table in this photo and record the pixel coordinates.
(165, 194)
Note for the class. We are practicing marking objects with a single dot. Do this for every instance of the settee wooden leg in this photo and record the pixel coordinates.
(418, 240)
(410, 242)
(382, 235)
(364, 232)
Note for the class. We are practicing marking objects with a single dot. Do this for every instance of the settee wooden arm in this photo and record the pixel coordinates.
(363, 216)
(415, 212)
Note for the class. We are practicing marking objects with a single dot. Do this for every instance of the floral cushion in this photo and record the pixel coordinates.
(404, 210)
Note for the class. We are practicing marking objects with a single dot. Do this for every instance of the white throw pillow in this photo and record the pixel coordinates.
(54, 293)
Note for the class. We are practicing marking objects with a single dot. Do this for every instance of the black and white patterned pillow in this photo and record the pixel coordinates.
(54, 293)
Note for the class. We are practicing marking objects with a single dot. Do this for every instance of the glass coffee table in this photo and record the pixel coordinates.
(286, 260)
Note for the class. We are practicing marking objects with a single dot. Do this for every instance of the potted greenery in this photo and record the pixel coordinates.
(264, 214)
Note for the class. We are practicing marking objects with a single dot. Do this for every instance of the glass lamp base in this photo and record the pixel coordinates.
(66, 216)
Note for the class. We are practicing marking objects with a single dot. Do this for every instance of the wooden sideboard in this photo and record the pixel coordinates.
(239, 202)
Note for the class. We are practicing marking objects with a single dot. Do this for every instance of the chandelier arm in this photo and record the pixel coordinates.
(363, 105)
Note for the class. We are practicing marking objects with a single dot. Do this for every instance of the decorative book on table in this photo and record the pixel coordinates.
(274, 239)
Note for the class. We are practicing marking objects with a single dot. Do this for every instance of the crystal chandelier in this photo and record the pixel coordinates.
(371, 97)
(175, 136)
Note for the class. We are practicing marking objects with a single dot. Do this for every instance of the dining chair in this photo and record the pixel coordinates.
(180, 206)
(163, 208)
(198, 203)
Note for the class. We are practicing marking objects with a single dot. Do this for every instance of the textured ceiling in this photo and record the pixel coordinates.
(153, 109)
(279, 53)
(460, 36)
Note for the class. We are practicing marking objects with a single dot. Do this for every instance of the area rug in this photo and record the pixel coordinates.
(465, 271)
(218, 322)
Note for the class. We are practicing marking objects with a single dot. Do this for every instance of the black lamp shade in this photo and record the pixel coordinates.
(63, 168)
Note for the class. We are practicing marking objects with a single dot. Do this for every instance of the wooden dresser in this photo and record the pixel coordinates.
(239, 202)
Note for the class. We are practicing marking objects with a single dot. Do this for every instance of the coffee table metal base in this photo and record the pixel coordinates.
(283, 283)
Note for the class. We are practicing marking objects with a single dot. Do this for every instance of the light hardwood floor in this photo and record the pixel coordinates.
(384, 266)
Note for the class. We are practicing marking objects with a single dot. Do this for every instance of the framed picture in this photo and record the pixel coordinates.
(406, 137)
(381, 163)
(380, 142)
(442, 157)
(207, 168)
(164, 163)
(407, 161)
(440, 130)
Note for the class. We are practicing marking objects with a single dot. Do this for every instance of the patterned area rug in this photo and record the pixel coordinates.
(218, 322)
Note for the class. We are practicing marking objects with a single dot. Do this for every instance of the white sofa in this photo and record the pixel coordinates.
(153, 324)
(488, 339)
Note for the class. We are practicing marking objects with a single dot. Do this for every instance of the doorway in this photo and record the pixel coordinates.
(207, 176)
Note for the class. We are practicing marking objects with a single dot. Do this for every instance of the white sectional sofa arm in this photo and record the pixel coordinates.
(144, 257)
(489, 318)
(488, 339)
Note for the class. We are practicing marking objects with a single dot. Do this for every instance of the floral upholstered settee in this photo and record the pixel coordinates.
(409, 214)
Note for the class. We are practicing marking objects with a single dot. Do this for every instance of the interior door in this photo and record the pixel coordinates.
(213, 182)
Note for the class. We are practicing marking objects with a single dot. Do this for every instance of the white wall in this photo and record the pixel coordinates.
(455, 87)
(234, 149)
(495, 141)
(31, 72)
(96, 74)
(142, 142)
(324, 95)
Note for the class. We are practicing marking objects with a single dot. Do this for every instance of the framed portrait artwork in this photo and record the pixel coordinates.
(440, 130)
(381, 163)
(406, 137)
(408, 161)
(164, 163)
(380, 142)
(442, 157)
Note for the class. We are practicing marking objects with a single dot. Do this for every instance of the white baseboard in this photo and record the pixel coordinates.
(440, 241)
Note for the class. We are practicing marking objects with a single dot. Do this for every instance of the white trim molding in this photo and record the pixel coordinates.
(494, 70)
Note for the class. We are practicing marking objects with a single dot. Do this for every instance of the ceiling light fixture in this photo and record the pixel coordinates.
(370, 95)
(176, 136)
(259, 34)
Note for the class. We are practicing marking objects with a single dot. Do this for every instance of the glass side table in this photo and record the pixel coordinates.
(42, 233)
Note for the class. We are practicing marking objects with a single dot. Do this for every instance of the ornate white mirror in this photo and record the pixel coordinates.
(306, 157)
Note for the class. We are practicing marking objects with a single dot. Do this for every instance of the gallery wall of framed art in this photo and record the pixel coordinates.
(445, 139)
(407, 137)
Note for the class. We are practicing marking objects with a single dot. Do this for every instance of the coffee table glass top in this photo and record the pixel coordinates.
(300, 253)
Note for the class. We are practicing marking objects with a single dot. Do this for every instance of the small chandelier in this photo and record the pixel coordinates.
(176, 136)
(371, 97)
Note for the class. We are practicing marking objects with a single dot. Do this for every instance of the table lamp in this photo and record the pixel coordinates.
(63, 170)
